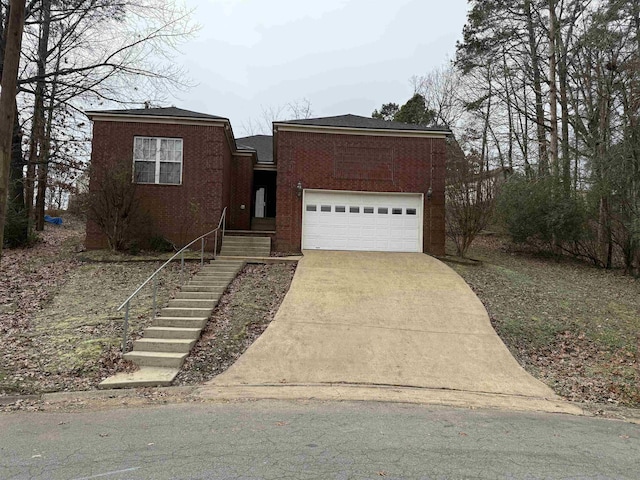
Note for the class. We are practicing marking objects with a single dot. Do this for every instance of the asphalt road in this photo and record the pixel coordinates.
(314, 440)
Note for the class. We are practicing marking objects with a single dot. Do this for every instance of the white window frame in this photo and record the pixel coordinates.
(158, 160)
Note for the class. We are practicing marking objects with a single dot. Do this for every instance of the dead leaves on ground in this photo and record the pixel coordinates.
(572, 325)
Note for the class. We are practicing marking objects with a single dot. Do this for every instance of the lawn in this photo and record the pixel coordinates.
(60, 330)
(59, 327)
(573, 326)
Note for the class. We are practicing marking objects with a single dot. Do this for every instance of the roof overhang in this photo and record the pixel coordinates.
(98, 116)
(378, 132)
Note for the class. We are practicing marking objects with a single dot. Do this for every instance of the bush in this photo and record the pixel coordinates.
(16, 227)
(470, 199)
(158, 243)
(537, 211)
(113, 207)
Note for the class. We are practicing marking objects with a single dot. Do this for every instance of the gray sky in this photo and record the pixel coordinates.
(344, 56)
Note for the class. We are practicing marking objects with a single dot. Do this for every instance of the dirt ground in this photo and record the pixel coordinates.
(59, 325)
(573, 326)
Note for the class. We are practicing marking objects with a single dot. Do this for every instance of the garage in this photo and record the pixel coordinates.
(382, 222)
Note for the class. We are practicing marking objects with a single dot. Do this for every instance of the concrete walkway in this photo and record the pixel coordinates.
(397, 322)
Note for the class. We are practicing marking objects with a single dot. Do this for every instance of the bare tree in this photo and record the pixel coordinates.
(112, 205)
(10, 65)
(470, 197)
(86, 53)
(263, 124)
(441, 89)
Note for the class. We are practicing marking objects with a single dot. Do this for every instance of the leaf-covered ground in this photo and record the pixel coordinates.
(59, 325)
(59, 328)
(572, 325)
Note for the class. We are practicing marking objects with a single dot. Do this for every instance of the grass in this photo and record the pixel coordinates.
(573, 326)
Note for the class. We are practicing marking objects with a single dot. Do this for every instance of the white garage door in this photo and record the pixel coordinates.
(387, 222)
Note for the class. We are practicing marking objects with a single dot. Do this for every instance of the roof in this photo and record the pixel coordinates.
(158, 112)
(262, 144)
(356, 121)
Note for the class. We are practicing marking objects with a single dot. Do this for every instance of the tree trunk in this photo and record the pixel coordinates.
(553, 93)
(9, 82)
(543, 156)
(508, 92)
(40, 135)
(563, 54)
(484, 163)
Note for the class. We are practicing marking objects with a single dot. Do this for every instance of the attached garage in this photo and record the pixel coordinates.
(340, 220)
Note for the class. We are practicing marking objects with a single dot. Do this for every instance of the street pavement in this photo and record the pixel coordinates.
(314, 440)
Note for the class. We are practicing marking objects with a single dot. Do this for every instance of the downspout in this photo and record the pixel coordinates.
(430, 195)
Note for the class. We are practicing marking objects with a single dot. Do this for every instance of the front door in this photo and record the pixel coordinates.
(260, 203)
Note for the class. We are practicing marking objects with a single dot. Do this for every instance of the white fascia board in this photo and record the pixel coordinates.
(118, 117)
(378, 132)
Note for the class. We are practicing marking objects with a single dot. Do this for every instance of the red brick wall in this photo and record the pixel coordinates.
(358, 163)
(241, 193)
(178, 212)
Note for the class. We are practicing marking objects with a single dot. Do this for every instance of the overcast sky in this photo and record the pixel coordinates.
(344, 56)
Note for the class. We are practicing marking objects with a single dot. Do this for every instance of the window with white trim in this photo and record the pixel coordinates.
(157, 160)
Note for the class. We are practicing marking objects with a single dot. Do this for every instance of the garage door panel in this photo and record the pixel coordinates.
(362, 221)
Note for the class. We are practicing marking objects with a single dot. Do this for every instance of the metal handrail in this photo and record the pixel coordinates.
(153, 276)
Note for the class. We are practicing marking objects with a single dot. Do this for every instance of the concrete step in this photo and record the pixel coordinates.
(156, 359)
(246, 247)
(167, 345)
(185, 312)
(213, 296)
(172, 332)
(221, 262)
(192, 303)
(203, 288)
(220, 269)
(180, 322)
(225, 276)
(205, 282)
(145, 377)
(235, 245)
(221, 286)
(234, 248)
(241, 240)
(246, 254)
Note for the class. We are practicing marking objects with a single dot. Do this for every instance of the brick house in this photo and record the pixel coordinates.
(337, 183)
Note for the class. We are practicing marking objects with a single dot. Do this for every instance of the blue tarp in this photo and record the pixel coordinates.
(54, 220)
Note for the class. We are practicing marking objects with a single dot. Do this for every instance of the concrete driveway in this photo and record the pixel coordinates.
(395, 321)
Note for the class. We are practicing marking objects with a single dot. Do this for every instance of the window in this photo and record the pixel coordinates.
(311, 208)
(340, 209)
(383, 210)
(325, 208)
(354, 209)
(368, 209)
(411, 211)
(396, 211)
(157, 160)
